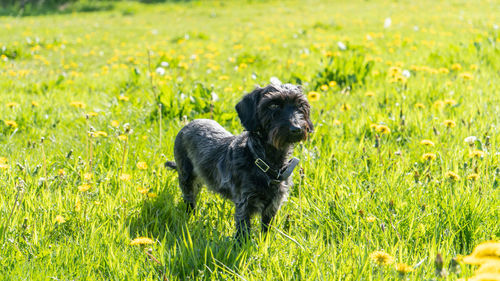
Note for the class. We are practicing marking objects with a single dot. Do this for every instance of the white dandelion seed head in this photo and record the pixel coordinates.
(341, 46)
(470, 140)
(406, 73)
(387, 22)
(160, 70)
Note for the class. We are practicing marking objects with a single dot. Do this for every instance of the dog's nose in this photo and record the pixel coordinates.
(295, 130)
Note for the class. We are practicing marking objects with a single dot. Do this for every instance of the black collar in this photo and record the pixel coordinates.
(275, 176)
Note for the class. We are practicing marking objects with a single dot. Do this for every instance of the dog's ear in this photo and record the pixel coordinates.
(310, 127)
(247, 110)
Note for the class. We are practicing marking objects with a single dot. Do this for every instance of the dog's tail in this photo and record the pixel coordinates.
(171, 164)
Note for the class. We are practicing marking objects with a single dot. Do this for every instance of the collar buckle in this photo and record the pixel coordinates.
(262, 165)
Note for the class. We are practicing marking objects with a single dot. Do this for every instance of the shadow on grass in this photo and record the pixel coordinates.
(35, 9)
(194, 247)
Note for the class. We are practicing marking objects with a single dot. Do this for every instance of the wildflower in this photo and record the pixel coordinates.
(484, 252)
(466, 76)
(152, 195)
(125, 177)
(60, 219)
(223, 77)
(474, 67)
(61, 172)
(84, 187)
(77, 104)
(491, 266)
(438, 104)
(143, 190)
(429, 156)
(123, 98)
(3, 160)
(373, 126)
(470, 140)
(450, 102)
(444, 70)
(426, 142)
(124, 201)
(345, 107)
(452, 176)
(403, 268)
(381, 258)
(78, 204)
(10, 123)
(324, 87)
(115, 123)
(449, 123)
(420, 105)
(383, 129)
(394, 71)
(4, 166)
(456, 66)
(369, 94)
(336, 122)
(12, 104)
(92, 114)
(100, 134)
(476, 153)
(122, 137)
(473, 176)
(332, 84)
(34, 104)
(142, 165)
(141, 241)
(87, 176)
(371, 219)
(313, 96)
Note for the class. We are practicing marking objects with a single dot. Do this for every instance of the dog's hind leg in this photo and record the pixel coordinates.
(187, 178)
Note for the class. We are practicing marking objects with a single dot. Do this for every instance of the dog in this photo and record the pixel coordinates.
(251, 169)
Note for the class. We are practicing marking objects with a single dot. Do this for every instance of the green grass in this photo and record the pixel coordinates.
(350, 173)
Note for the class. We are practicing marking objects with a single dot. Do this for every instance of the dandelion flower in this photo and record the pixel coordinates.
(371, 219)
(142, 165)
(429, 156)
(470, 140)
(420, 105)
(92, 114)
(60, 219)
(466, 76)
(313, 96)
(439, 104)
(61, 172)
(12, 104)
(324, 87)
(87, 176)
(3, 160)
(336, 122)
(449, 123)
(100, 134)
(143, 190)
(373, 126)
(115, 123)
(484, 252)
(383, 129)
(444, 70)
(456, 66)
(369, 94)
(34, 104)
(141, 241)
(152, 195)
(450, 102)
(452, 176)
(10, 123)
(123, 98)
(427, 142)
(332, 84)
(4, 166)
(473, 176)
(84, 187)
(403, 268)
(77, 104)
(381, 258)
(476, 153)
(122, 137)
(125, 177)
(491, 266)
(345, 107)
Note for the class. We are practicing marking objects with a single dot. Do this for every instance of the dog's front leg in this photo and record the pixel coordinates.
(267, 216)
(242, 218)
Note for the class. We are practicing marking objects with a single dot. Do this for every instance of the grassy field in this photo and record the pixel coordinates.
(396, 87)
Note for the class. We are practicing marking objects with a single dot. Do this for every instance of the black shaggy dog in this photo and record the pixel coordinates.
(252, 169)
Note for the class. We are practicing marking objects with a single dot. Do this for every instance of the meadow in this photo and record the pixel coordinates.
(399, 180)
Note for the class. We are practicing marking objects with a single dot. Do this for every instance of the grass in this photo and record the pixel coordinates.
(361, 188)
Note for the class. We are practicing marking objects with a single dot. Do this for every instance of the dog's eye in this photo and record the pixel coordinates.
(273, 106)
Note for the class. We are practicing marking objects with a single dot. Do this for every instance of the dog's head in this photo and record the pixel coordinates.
(278, 112)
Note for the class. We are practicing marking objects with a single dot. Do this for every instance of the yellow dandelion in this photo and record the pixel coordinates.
(394, 71)
(143, 190)
(429, 156)
(427, 142)
(141, 241)
(332, 84)
(84, 187)
(383, 129)
(12, 104)
(10, 123)
(313, 96)
(123, 98)
(125, 177)
(87, 176)
(77, 104)
(124, 200)
(439, 104)
(3, 160)
(403, 268)
(4, 166)
(373, 126)
(476, 153)
(61, 172)
(35, 104)
(122, 137)
(444, 70)
(456, 66)
(491, 266)
(324, 87)
(452, 176)
(473, 67)
(381, 258)
(100, 134)
(60, 219)
(473, 176)
(419, 105)
(152, 195)
(78, 204)
(466, 76)
(336, 122)
(371, 219)
(369, 94)
(142, 165)
(92, 114)
(484, 252)
(449, 123)
(450, 102)
(115, 123)
(345, 107)
(223, 77)
(400, 79)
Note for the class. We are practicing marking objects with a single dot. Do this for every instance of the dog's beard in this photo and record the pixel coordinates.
(281, 139)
